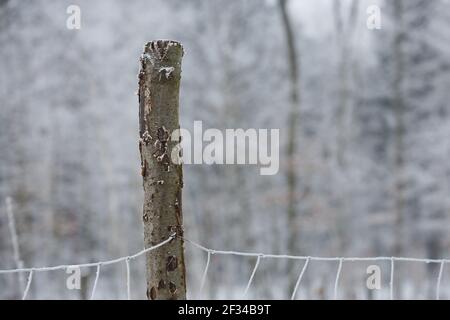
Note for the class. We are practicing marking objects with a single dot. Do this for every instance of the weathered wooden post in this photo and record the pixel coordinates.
(159, 86)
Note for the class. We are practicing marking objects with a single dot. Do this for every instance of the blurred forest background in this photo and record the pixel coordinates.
(364, 122)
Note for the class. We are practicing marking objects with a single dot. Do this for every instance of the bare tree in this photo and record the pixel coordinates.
(159, 85)
(293, 123)
(15, 243)
(399, 110)
(345, 26)
(344, 35)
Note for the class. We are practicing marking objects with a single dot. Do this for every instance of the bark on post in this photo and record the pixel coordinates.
(159, 84)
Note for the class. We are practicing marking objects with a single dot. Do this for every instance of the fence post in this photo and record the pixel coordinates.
(159, 85)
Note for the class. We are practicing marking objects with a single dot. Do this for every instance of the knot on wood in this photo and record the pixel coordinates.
(151, 294)
(172, 288)
(161, 284)
(144, 168)
(162, 134)
(172, 263)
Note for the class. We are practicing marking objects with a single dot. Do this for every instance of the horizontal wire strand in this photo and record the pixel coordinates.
(312, 258)
(92, 264)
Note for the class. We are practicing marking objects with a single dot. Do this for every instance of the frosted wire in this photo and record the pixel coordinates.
(297, 284)
(97, 274)
(92, 264)
(27, 288)
(202, 284)
(253, 275)
(336, 282)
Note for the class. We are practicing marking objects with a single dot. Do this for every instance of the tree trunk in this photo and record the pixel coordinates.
(399, 112)
(293, 119)
(159, 85)
(344, 43)
(344, 35)
(400, 131)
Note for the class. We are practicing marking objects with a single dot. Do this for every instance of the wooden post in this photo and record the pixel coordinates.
(159, 86)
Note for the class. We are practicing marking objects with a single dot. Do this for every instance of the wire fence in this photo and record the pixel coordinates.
(307, 259)
(259, 257)
(98, 265)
